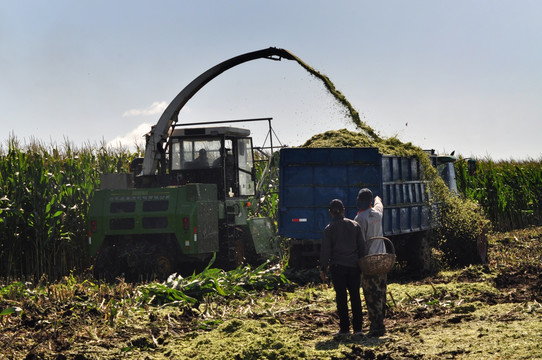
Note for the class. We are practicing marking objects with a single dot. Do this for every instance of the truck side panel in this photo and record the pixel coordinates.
(404, 196)
(311, 177)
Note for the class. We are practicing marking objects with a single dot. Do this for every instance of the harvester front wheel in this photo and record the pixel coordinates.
(244, 238)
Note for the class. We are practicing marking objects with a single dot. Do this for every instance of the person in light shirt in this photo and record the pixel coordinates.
(369, 218)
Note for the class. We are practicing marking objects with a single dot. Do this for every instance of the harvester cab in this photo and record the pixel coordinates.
(213, 155)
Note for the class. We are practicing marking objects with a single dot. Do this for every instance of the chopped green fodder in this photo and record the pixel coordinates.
(504, 331)
(347, 138)
(244, 339)
(463, 320)
(353, 113)
(451, 295)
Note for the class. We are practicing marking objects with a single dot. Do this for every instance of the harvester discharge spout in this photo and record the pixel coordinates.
(159, 133)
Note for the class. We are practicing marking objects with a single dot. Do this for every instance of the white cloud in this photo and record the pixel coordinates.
(156, 107)
(135, 138)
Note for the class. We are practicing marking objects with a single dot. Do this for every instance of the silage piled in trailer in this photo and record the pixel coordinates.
(462, 221)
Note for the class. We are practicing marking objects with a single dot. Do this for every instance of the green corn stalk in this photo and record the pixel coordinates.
(211, 282)
(44, 197)
(267, 175)
(509, 191)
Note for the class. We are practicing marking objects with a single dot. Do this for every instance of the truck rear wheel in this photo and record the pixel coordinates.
(419, 257)
(296, 258)
(304, 255)
(481, 246)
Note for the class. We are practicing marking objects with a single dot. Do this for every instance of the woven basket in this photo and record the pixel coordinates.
(378, 264)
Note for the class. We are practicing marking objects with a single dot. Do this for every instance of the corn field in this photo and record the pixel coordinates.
(45, 191)
(509, 191)
(44, 197)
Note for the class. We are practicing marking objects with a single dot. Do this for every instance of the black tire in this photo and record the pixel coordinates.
(245, 250)
(481, 247)
(106, 264)
(137, 259)
(163, 263)
(236, 248)
(419, 257)
(295, 257)
(159, 257)
(239, 244)
(304, 256)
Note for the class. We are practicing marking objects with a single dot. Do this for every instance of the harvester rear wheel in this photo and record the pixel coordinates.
(137, 258)
(106, 265)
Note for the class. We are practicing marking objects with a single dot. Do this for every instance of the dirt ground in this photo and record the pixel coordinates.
(479, 312)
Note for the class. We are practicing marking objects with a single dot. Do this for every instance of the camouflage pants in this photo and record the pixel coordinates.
(374, 291)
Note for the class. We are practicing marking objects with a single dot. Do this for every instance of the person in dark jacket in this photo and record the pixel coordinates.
(342, 246)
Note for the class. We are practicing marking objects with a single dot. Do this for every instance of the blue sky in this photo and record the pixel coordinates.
(448, 75)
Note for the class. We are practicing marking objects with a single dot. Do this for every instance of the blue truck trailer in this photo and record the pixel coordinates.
(311, 177)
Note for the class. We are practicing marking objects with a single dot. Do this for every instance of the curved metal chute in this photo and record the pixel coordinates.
(159, 133)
